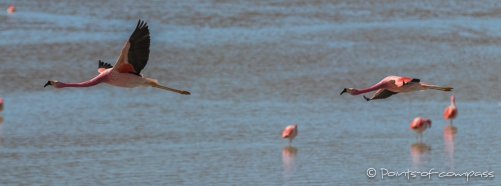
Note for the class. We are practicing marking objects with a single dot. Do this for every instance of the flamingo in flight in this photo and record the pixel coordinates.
(419, 125)
(290, 132)
(127, 69)
(394, 85)
(451, 111)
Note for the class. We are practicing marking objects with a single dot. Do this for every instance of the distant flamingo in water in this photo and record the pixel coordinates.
(290, 132)
(1, 104)
(451, 111)
(127, 69)
(394, 85)
(11, 9)
(419, 125)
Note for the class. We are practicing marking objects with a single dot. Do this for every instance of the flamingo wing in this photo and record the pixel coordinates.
(135, 53)
(401, 81)
(103, 66)
(416, 123)
(287, 131)
(381, 94)
(449, 112)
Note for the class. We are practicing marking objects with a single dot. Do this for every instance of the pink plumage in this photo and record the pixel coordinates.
(420, 124)
(127, 69)
(451, 111)
(394, 85)
(290, 132)
(11, 9)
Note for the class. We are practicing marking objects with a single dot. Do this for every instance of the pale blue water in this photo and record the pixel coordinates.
(252, 68)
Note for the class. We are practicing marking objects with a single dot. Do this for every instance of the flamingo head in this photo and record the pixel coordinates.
(428, 121)
(54, 83)
(350, 91)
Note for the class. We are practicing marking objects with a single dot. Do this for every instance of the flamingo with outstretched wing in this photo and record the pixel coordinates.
(127, 70)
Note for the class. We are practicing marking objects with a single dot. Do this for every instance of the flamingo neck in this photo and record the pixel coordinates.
(369, 89)
(94, 81)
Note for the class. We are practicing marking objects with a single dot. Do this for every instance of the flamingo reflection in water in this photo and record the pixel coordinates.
(288, 159)
(419, 151)
(449, 133)
(1, 121)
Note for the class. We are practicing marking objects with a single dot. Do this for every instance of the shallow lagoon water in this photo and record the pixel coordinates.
(252, 68)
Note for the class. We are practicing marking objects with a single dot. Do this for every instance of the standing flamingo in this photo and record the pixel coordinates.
(451, 111)
(394, 85)
(419, 125)
(127, 69)
(290, 132)
(11, 9)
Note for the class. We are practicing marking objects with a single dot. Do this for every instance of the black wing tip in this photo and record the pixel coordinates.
(415, 80)
(141, 31)
(141, 24)
(139, 50)
(104, 65)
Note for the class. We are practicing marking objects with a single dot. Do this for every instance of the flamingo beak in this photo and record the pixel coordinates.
(344, 90)
(47, 84)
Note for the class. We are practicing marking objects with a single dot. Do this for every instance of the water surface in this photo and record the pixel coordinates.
(252, 68)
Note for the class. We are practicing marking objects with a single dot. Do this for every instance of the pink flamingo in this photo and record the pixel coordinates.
(11, 9)
(127, 69)
(419, 125)
(394, 85)
(1, 104)
(451, 111)
(290, 132)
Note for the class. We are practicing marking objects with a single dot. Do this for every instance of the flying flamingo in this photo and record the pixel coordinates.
(127, 69)
(394, 85)
(11, 9)
(451, 111)
(290, 132)
(419, 125)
